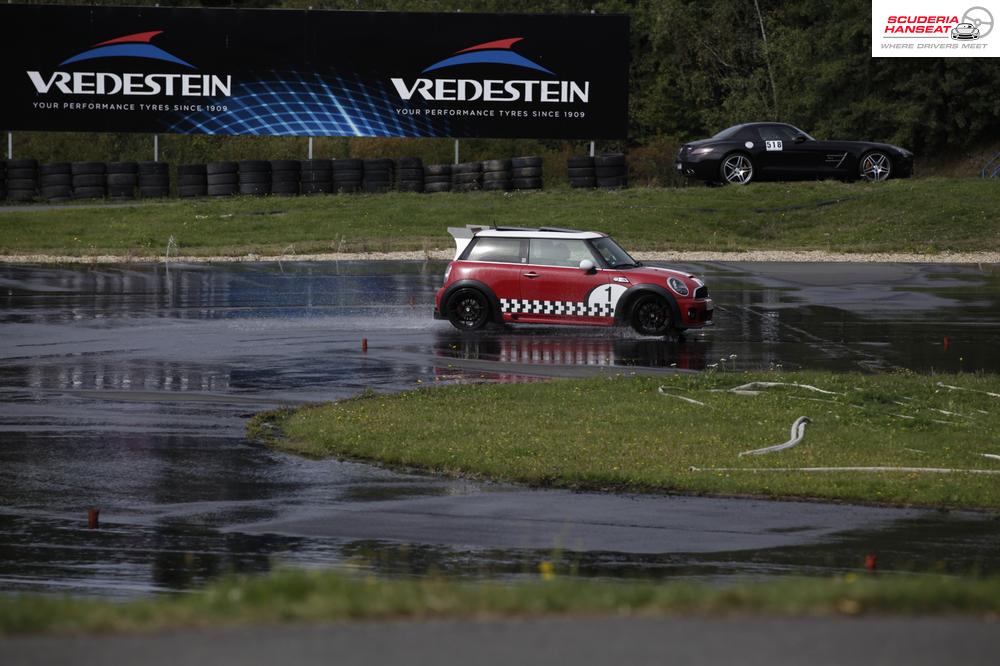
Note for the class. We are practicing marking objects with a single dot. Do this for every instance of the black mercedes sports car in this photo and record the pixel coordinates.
(775, 151)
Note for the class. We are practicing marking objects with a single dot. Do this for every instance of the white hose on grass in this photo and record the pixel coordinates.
(924, 470)
(797, 435)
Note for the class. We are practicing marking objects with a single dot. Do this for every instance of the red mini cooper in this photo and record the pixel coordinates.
(563, 276)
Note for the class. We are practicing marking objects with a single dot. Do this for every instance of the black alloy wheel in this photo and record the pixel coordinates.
(651, 316)
(468, 310)
(736, 169)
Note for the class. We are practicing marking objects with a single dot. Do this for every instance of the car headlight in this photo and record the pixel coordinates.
(678, 286)
(704, 150)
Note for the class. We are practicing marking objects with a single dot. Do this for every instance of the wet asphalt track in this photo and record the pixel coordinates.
(128, 389)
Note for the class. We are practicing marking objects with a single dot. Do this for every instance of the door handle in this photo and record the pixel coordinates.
(530, 274)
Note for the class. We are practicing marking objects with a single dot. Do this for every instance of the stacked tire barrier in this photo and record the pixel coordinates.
(123, 178)
(467, 177)
(348, 175)
(3, 179)
(526, 172)
(581, 171)
(285, 176)
(89, 180)
(22, 180)
(154, 180)
(255, 177)
(411, 174)
(222, 179)
(316, 176)
(55, 181)
(192, 180)
(497, 175)
(378, 175)
(611, 170)
(437, 178)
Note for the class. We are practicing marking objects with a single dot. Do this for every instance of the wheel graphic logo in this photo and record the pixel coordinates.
(981, 18)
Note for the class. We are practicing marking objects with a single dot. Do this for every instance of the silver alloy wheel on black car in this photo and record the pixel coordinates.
(468, 309)
(737, 169)
(876, 167)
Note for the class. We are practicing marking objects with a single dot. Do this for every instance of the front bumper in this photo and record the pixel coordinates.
(705, 167)
(696, 314)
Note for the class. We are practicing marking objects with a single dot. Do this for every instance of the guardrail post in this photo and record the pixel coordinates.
(10, 145)
(456, 151)
(156, 147)
(591, 148)
(310, 148)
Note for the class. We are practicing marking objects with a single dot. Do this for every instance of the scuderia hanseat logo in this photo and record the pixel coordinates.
(932, 28)
(134, 46)
(499, 52)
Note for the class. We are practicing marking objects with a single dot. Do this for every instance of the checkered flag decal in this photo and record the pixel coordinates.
(567, 308)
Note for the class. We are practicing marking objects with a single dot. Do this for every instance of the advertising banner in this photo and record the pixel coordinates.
(313, 73)
(935, 29)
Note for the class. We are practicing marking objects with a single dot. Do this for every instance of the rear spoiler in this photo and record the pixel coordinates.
(462, 236)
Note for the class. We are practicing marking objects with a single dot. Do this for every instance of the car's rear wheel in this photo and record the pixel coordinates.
(736, 169)
(468, 309)
(651, 315)
(875, 167)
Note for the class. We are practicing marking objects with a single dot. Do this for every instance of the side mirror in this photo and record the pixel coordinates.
(586, 265)
(799, 138)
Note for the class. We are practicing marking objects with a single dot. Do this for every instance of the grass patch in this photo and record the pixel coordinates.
(917, 215)
(296, 596)
(622, 434)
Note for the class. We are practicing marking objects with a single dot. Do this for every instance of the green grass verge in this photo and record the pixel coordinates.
(919, 215)
(294, 596)
(622, 434)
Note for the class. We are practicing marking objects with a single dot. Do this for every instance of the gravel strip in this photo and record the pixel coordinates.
(791, 256)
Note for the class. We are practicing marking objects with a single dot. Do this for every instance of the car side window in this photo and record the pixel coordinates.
(558, 252)
(777, 133)
(504, 250)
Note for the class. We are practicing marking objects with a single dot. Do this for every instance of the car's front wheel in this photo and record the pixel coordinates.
(468, 309)
(651, 315)
(736, 169)
(875, 167)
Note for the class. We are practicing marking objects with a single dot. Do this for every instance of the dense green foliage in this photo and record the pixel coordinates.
(897, 216)
(626, 434)
(312, 596)
(697, 66)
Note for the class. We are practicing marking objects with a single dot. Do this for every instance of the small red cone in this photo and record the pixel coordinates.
(947, 343)
(870, 562)
(93, 518)
(364, 345)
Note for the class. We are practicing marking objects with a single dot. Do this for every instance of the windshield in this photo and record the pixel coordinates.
(729, 132)
(613, 254)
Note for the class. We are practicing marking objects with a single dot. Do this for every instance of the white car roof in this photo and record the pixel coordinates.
(463, 235)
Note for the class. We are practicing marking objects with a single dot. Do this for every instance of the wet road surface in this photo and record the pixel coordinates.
(128, 389)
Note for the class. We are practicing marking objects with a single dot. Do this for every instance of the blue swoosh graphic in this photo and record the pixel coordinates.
(130, 51)
(491, 57)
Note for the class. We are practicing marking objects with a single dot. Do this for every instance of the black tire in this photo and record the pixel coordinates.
(410, 173)
(87, 168)
(410, 163)
(437, 170)
(619, 181)
(498, 185)
(22, 164)
(583, 182)
(431, 188)
(466, 178)
(23, 184)
(347, 176)
(377, 177)
(222, 190)
(221, 179)
(379, 164)
(317, 188)
(55, 179)
(21, 195)
(56, 192)
(122, 179)
(581, 172)
(347, 188)
(88, 192)
(527, 172)
(348, 164)
(154, 192)
(286, 176)
(21, 174)
(610, 172)
(254, 166)
(580, 162)
(316, 177)
(376, 187)
(609, 159)
(437, 179)
(121, 193)
(316, 165)
(466, 187)
(496, 165)
(496, 175)
(467, 167)
(285, 189)
(54, 169)
(523, 162)
(468, 309)
(192, 180)
(186, 191)
(255, 189)
(192, 170)
(527, 183)
(285, 165)
(254, 177)
(153, 168)
(154, 180)
(123, 167)
(411, 186)
(651, 315)
(213, 168)
(88, 180)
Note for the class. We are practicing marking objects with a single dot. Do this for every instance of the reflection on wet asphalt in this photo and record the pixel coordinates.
(128, 389)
